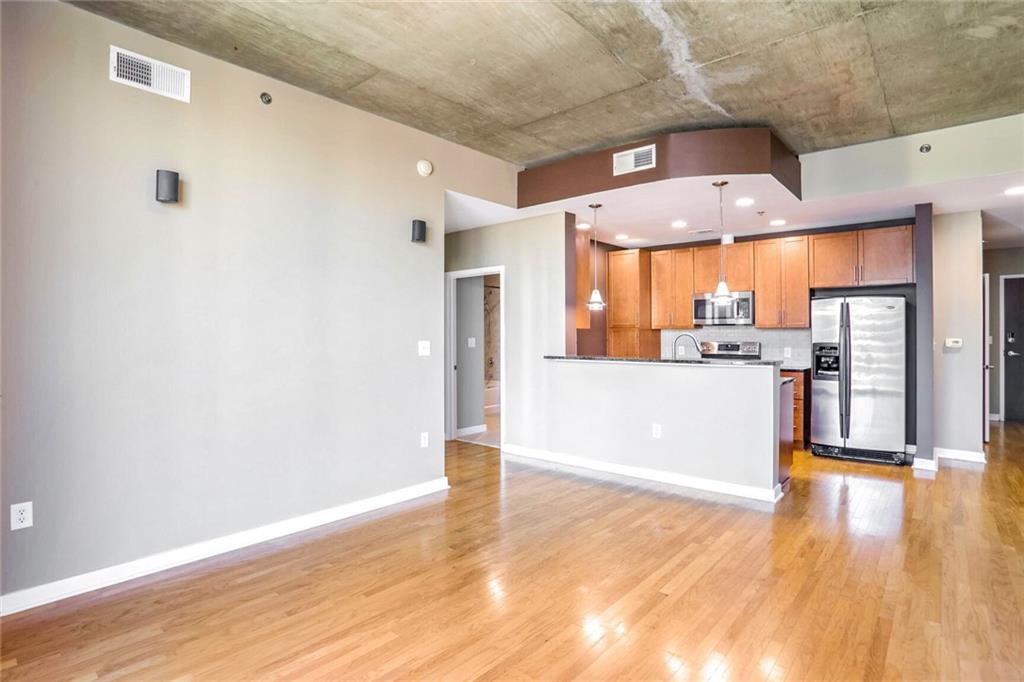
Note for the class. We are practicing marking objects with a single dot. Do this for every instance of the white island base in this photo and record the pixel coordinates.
(705, 426)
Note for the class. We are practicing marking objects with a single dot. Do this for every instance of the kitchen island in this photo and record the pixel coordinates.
(711, 425)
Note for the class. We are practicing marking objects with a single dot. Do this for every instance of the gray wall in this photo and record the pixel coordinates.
(469, 323)
(998, 262)
(533, 253)
(174, 373)
(959, 399)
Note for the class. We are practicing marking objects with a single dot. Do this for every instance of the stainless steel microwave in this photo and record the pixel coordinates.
(738, 310)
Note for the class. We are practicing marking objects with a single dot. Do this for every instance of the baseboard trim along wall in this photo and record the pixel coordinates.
(470, 430)
(960, 455)
(995, 417)
(922, 464)
(137, 568)
(706, 484)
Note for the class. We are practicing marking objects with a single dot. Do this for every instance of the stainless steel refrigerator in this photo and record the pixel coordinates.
(858, 379)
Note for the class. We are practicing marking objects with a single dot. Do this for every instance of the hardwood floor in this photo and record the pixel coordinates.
(861, 572)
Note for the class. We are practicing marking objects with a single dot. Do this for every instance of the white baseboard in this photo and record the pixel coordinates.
(922, 464)
(995, 417)
(470, 430)
(104, 577)
(772, 494)
(960, 455)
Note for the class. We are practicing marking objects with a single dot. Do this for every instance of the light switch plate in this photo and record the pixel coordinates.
(787, 352)
(21, 515)
(471, 342)
(656, 430)
(424, 439)
(424, 348)
(954, 343)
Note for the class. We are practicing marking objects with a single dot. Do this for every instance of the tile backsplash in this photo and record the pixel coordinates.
(773, 341)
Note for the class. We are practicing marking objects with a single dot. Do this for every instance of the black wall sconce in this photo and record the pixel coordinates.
(167, 186)
(419, 230)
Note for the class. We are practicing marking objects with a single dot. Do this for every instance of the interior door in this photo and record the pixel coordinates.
(1013, 349)
(825, 417)
(878, 373)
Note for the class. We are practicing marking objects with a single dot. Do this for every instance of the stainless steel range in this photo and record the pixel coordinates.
(733, 350)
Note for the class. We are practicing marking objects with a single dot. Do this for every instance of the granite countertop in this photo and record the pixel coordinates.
(787, 367)
(714, 362)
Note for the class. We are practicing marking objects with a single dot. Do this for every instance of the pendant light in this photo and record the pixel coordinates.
(722, 293)
(595, 302)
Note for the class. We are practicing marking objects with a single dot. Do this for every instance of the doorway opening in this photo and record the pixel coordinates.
(475, 356)
(1011, 347)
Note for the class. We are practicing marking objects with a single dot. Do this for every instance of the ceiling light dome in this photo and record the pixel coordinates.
(744, 201)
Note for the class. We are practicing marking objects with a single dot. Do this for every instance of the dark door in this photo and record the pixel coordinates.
(1013, 348)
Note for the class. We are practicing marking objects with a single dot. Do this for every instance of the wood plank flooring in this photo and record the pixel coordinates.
(861, 572)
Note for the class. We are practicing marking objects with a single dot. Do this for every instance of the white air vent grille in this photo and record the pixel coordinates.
(634, 160)
(150, 75)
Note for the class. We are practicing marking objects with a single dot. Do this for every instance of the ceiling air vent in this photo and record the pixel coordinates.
(633, 160)
(150, 75)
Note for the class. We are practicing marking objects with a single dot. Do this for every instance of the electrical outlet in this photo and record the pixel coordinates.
(424, 439)
(787, 352)
(680, 351)
(471, 342)
(424, 348)
(656, 430)
(21, 515)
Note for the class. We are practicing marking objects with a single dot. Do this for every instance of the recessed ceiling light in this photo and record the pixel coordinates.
(678, 223)
(622, 237)
(779, 222)
(744, 201)
(582, 226)
(1014, 191)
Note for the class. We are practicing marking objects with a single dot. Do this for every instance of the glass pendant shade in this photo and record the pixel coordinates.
(722, 293)
(595, 302)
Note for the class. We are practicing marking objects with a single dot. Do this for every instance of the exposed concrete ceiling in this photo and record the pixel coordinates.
(534, 81)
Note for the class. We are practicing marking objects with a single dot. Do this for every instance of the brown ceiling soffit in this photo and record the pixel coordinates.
(724, 151)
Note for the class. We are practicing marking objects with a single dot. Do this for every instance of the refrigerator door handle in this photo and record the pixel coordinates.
(848, 372)
(844, 370)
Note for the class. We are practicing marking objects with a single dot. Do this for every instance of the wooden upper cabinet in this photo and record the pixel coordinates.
(672, 289)
(863, 257)
(782, 294)
(833, 259)
(739, 267)
(629, 288)
(887, 255)
(768, 283)
(663, 276)
(796, 287)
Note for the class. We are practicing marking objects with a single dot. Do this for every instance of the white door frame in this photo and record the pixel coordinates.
(450, 339)
(986, 359)
(1002, 342)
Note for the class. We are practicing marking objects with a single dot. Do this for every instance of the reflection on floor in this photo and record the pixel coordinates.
(492, 436)
(861, 572)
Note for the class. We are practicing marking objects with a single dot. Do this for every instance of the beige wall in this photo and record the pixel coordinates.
(174, 373)
(959, 395)
(998, 262)
(533, 253)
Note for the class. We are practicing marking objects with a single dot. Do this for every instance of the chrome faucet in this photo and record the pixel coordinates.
(692, 337)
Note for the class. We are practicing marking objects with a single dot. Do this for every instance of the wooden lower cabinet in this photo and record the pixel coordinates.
(801, 406)
(634, 343)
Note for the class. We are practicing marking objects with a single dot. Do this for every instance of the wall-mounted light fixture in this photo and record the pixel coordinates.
(167, 186)
(419, 230)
